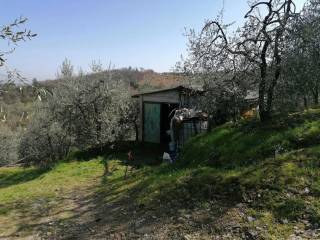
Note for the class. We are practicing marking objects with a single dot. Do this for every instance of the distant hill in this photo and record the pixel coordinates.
(137, 79)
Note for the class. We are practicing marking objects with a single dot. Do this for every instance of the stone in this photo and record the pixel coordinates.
(187, 237)
(259, 229)
(239, 205)
(250, 219)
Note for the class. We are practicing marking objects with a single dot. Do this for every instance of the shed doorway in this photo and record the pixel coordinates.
(166, 116)
(157, 119)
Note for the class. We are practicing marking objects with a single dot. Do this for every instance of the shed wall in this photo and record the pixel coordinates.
(163, 97)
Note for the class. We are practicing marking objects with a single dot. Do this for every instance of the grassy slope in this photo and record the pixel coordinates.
(29, 196)
(233, 167)
(237, 164)
(240, 161)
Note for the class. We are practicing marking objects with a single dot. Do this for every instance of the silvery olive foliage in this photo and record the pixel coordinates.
(92, 109)
(253, 52)
(302, 58)
(11, 34)
(45, 141)
(65, 70)
(85, 111)
(8, 145)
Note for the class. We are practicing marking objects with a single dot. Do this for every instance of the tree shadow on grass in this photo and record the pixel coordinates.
(144, 154)
(110, 208)
(113, 206)
(119, 210)
(11, 178)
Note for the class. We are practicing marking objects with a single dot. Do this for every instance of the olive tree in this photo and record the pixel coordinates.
(94, 109)
(9, 141)
(302, 55)
(45, 141)
(11, 34)
(65, 70)
(255, 48)
(85, 111)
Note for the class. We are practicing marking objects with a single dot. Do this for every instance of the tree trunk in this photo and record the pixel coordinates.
(263, 112)
(98, 126)
(264, 115)
(136, 128)
(305, 102)
(276, 73)
(52, 155)
(316, 97)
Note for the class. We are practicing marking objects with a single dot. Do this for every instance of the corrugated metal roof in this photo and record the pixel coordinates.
(180, 88)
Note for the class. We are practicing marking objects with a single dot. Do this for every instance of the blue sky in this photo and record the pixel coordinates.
(137, 33)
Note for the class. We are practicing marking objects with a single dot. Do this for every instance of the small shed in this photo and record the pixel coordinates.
(157, 108)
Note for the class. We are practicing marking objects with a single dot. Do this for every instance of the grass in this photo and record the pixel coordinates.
(273, 169)
(247, 142)
(30, 197)
(30, 183)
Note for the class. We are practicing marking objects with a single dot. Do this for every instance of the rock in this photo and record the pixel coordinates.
(294, 237)
(298, 232)
(239, 205)
(251, 235)
(187, 237)
(250, 219)
(237, 226)
(259, 229)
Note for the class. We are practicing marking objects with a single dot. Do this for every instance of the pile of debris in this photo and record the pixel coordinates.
(198, 120)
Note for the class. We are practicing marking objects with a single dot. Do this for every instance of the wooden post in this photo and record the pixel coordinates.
(141, 119)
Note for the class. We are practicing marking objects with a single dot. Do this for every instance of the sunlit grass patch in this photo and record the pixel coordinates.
(23, 184)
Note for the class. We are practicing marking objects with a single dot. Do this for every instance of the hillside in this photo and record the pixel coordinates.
(240, 181)
(138, 79)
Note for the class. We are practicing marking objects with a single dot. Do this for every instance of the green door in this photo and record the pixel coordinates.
(151, 122)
